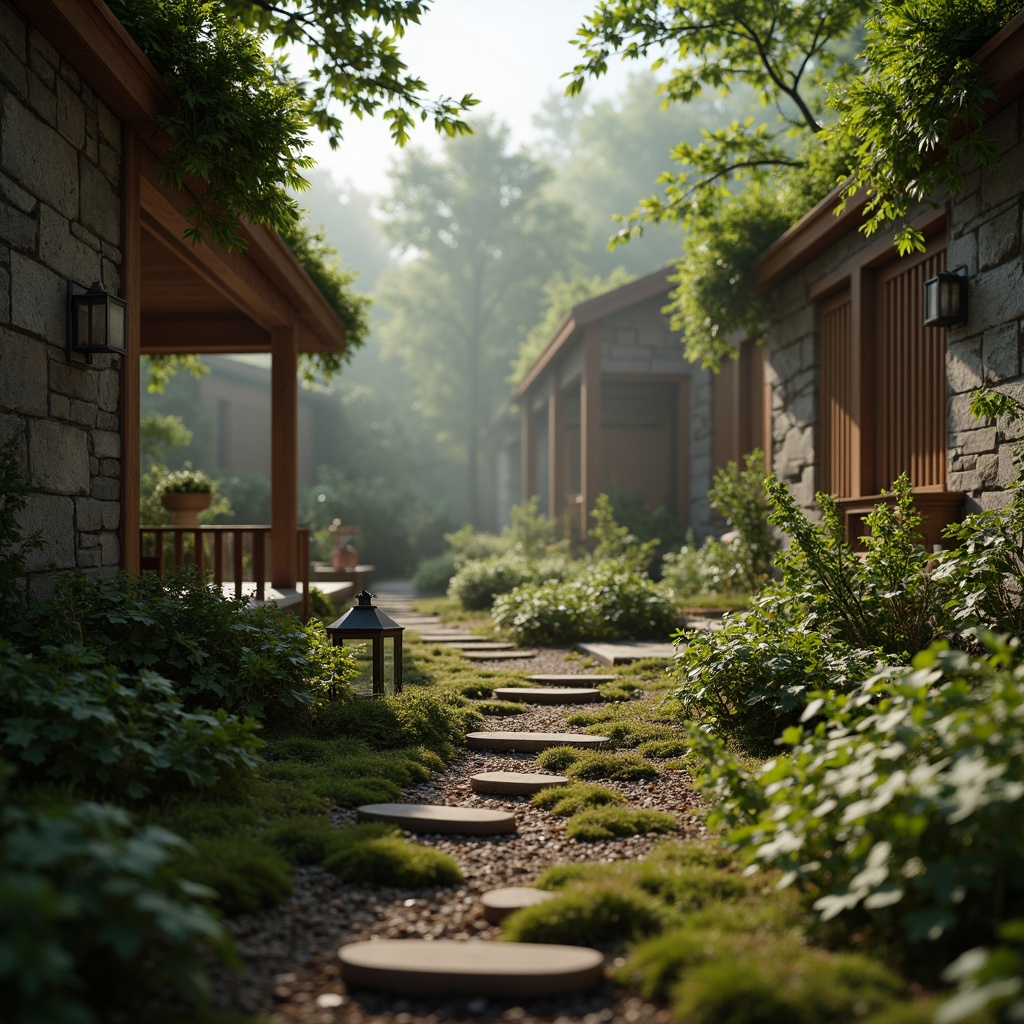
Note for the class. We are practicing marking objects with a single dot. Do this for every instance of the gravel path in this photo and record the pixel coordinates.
(291, 950)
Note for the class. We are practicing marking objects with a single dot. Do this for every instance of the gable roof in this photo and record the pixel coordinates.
(589, 312)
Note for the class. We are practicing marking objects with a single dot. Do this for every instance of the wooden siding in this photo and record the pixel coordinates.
(910, 378)
(839, 434)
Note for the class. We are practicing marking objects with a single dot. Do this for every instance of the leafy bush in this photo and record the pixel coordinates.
(588, 915)
(711, 569)
(373, 854)
(599, 823)
(604, 601)
(476, 583)
(752, 678)
(94, 913)
(887, 600)
(611, 541)
(70, 718)
(738, 495)
(664, 748)
(433, 575)
(825, 626)
(899, 813)
(218, 653)
(185, 481)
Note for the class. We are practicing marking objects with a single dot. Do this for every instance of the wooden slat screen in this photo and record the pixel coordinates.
(838, 402)
(910, 376)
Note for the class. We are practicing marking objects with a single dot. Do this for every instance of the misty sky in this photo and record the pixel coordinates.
(508, 53)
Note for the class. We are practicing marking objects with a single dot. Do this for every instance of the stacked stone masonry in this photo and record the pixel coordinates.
(60, 221)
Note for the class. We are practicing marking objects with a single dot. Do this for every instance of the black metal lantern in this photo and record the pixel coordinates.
(97, 322)
(945, 299)
(365, 621)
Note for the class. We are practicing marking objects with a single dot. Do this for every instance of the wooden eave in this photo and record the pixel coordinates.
(1001, 59)
(587, 313)
(265, 285)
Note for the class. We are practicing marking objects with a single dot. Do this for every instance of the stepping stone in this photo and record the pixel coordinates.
(443, 634)
(628, 650)
(473, 967)
(550, 695)
(460, 821)
(499, 903)
(530, 741)
(497, 655)
(567, 679)
(514, 783)
(480, 645)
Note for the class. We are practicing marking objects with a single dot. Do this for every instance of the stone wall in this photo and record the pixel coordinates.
(984, 229)
(985, 236)
(60, 220)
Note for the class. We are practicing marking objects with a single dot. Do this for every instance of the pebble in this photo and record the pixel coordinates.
(290, 951)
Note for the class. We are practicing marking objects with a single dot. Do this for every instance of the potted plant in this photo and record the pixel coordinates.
(185, 493)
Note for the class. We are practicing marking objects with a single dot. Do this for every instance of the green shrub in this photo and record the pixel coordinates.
(751, 679)
(588, 915)
(14, 546)
(246, 873)
(67, 717)
(828, 623)
(476, 583)
(602, 601)
(599, 823)
(712, 568)
(612, 542)
(362, 856)
(786, 983)
(898, 813)
(593, 764)
(433, 575)
(218, 653)
(94, 913)
(564, 801)
(631, 732)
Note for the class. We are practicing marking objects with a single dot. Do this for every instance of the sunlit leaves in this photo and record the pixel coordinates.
(916, 116)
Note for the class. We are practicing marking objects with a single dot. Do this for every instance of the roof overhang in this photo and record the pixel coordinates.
(1000, 59)
(586, 313)
(195, 298)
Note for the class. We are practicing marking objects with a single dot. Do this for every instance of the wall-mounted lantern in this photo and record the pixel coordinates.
(97, 322)
(945, 299)
(364, 621)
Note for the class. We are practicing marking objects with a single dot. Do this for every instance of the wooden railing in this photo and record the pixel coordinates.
(237, 555)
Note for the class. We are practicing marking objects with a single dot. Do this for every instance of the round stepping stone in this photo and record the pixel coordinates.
(554, 695)
(497, 655)
(473, 967)
(499, 903)
(530, 741)
(514, 783)
(462, 821)
(571, 680)
(481, 645)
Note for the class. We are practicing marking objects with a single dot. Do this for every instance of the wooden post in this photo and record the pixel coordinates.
(284, 448)
(528, 449)
(130, 382)
(590, 426)
(556, 448)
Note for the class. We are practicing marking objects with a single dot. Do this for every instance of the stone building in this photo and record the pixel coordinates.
(612, 405)
(857, 388)
(81, 201)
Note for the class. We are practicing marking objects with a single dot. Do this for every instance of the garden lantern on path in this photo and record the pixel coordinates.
(364, 621)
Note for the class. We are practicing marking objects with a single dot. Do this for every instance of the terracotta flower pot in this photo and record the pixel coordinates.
(185, 506)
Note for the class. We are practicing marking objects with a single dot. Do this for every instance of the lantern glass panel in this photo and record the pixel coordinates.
(117, 333)
(389, 666)
(362, 651)
(931, 300)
